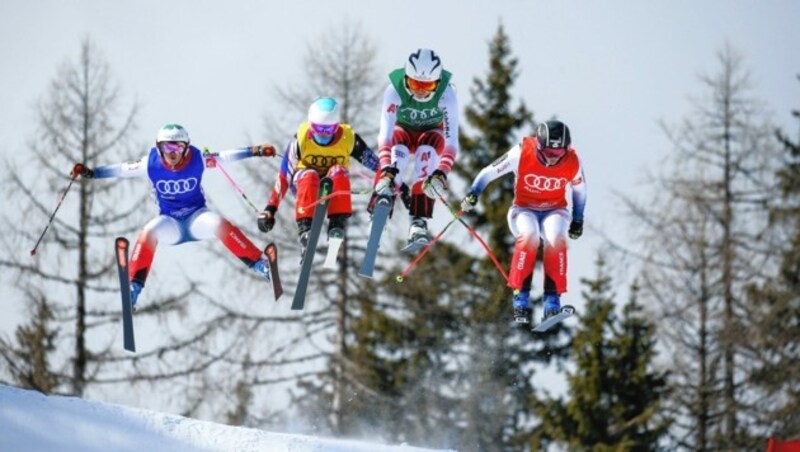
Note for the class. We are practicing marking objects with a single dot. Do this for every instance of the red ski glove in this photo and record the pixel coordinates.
(81, 170)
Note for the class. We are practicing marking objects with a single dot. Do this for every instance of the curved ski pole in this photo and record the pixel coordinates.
(424, 251)
(53, 215)
(474, 233)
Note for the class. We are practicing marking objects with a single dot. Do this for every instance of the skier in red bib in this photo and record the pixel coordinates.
(544, 165)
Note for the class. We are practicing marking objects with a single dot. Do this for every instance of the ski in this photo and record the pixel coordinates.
(334, 243)
(417, 245)
(320, 212)
(566, 312)
(121, 251)
(379, 217)
(271, 251)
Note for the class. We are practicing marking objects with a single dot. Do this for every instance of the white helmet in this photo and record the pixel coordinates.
(324, 118)
(172, 132)
(424, 66)
(324, 111)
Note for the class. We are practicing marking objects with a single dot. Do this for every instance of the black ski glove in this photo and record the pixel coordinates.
(266, 219)
(469, 202)
(575, 229)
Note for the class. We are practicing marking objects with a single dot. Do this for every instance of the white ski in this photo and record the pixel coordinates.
(417, 245)
(334, 243)
(565, 312)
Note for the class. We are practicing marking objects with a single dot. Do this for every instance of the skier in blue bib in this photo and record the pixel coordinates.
(175, 169)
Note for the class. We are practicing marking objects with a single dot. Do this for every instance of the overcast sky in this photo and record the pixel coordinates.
(610, 69)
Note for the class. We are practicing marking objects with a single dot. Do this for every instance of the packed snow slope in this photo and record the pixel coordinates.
(31, 421)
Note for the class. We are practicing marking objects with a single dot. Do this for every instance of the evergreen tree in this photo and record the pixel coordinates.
(497, 124)
(500, 367)
(405, 350)
(29, 362)
(616, 396)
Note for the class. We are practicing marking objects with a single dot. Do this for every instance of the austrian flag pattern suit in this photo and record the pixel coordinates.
(539, 211)
(421, 134)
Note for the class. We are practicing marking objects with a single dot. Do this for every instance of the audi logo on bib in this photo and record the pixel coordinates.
(323, 161)
(543, 183)
(177, 186)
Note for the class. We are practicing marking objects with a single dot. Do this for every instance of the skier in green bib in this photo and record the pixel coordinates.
(418, 130)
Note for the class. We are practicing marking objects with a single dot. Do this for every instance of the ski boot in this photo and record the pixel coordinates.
(303, 226)
(552, 305)
(261, 267)
(522, 311)
(336, 225)
(418, 235)
(136, 289)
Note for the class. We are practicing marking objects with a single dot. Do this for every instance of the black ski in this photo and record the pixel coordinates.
(272, 255)
(320, 212)
(379, 216)
(121, 250)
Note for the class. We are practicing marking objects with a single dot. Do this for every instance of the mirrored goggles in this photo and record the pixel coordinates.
(171, 147)
(419, 85)
(324, 130)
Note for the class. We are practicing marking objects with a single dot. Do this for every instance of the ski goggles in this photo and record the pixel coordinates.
(171, 147)
(324, 130)
(419, 85)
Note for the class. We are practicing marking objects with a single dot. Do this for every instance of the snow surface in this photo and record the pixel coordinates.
(31, 421)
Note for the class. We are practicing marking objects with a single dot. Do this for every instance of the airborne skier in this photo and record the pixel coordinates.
(543, 165)
(419, 126)
(175, 169)
(321, 147)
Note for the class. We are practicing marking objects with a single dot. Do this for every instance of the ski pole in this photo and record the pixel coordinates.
(424, 251)
(474, 233)
(207, 153)
(53, 215)
(218, 162)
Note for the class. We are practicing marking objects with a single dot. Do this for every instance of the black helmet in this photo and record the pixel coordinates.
(552, 141)
(553, 134)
